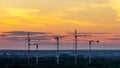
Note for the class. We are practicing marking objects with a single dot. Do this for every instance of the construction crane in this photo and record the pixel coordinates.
(58, 39)
(76, 36)
(76, 43)
(37, 58)
(28, 53)
(90, 48)
(29, 40)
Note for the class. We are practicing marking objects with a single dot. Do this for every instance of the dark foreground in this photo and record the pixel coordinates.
(66, 61)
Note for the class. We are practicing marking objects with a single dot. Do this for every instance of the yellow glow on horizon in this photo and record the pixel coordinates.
(77, 14)
(9, 22)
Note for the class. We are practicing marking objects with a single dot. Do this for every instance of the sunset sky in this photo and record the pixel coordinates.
(48, 18)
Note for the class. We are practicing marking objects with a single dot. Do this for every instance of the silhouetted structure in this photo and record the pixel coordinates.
(76, 46)
(57, 38)
(29, 47)
(90, 43)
